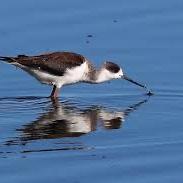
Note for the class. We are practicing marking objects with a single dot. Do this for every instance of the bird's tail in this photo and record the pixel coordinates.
(7, 59)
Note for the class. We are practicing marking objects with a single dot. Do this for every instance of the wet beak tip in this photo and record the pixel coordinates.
(150, 93)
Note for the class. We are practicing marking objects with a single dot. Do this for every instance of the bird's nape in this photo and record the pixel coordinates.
(138, 84)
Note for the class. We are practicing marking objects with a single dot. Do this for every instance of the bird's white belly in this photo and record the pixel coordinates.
(71, 76)
(44, 77)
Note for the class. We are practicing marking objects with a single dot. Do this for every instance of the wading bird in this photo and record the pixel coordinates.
(63, 68)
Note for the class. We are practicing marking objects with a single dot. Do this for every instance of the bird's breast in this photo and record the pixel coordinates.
(75, 74)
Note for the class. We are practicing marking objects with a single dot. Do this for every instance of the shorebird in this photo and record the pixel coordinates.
(64, 68)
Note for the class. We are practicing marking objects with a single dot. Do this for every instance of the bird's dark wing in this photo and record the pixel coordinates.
(54, 63)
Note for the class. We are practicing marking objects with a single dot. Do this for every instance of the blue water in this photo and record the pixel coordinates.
(111, 132)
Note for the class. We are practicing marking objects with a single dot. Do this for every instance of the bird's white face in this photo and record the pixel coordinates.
(109, 71)
(112, 75)
(118, 75)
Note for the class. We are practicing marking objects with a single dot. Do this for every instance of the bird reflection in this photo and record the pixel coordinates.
(61, 119)
(67, 120)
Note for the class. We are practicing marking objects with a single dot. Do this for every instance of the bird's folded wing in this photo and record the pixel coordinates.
(56, 63)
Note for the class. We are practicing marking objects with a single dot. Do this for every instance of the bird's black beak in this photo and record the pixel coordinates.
(138, 84)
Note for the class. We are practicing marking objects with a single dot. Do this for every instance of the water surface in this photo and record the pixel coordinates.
(111, 132)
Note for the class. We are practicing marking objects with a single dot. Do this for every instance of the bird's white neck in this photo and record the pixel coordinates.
(98, 76)
(102, 76)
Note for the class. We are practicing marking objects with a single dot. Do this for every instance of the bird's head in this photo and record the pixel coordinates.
(114, 71)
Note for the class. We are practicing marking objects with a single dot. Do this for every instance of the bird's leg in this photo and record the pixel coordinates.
(55, 92)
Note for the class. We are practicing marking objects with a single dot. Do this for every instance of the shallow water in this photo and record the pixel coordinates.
(111, 132)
